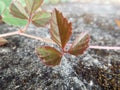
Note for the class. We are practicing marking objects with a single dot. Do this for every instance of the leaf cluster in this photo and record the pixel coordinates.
(60, 29)
(60, 32)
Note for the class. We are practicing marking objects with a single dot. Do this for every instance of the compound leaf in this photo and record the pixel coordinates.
(61, 29)
(80, 44)
(3, 41)
(49, 55)
(17, 10)
(41, 18)
(33, 5)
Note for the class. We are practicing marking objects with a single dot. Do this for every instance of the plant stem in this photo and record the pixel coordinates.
(51, 41)
(8, 34)
(26, 35)
(101, 47)
(27, 25)
(105, 47)
(37, 38)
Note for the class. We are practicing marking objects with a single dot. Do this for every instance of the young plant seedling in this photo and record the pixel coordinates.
(23, 14)
(60, 32)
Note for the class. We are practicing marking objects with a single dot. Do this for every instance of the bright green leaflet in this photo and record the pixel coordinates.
(2, 7)
(6, 2)
(9, 19)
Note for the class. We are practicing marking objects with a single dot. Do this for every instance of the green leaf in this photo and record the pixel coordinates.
(4, 4)
(2, 7)
(41, 18)
(49, 55)
(80, 44)
(17, 10)
(9, 19)
(61, 29)
(3, 41)
(33, 5)
(7, 2)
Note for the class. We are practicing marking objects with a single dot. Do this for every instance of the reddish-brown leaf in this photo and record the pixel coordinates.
(3, 41)
(49, 55)
(61, 29)
(80, 44)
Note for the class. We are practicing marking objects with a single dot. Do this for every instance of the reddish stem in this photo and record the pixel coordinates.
(8, 34)
(51, 41)
(105, 47)
(37, 38)
(101, 47)
(27, 25)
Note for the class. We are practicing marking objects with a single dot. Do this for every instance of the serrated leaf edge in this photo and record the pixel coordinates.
(62, 45)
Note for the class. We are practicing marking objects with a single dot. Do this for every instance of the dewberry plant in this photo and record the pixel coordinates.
(26, 12)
